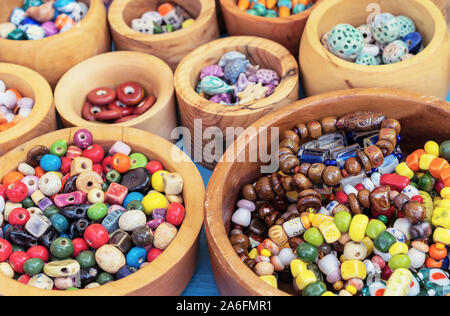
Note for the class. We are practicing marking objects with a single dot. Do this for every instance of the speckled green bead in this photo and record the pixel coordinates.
(33, 266)
(113, 176)
(61, 248)
(86, 259)
(51, 210)
(135, 205)
(27, 203)
(59, 148)
(385, 28)
(271, 14)
(307, 252)
(366, 59)
(346, 42)
(138, 160)
(406, 25)
(315, 289)
(104, 278)
(97, 211)
(394, 52)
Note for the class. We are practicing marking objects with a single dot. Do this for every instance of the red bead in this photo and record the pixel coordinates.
(378, 260)
(95, 153)
(5, 250)
(359, 187)
(115, 194)
(96, 236)
(153, 254)
(154, 166)
(341, 197)
(175, 214)
(394, 181)
(18, 216)
(107, 164)
(73, 152)
(17, 260)
(417, 198)
(65, 165)
(439, 186)
(3, 189)
(17, 192)
(79, 245)
(97, 168)
(386, 272)
(39, 252)
(64, 180)
(388, 214)
(24, 279)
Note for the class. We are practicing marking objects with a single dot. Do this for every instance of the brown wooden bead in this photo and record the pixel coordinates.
(385, 146)
(302, 131)
(264, 189)
(379, 199)
(331, 175)
(300, 182)
(284, 150)
(361, 121)
(257, 226)
(277, 187)
(308, 192)
(314, 129)
(244, 257)
(354, 204)
(287, 183)
(388, 134)
(329, 124)
(280, 221)
(289, 134)
(280, 203)
(292, 216)
(353, 166)
(288, 162)
(240, 239)
(304, 167)
(294, 242)
(375, 156)
(364, 198)
(265, 210)
(239, 249)
(393, 194)
(271, 218)
(309, 202)
(289, 143)
(315, 172)
(340, 208)
(415, 212)
(364, 161)
(251, 263)
(392, 123)
(249, 192)
(400, 201)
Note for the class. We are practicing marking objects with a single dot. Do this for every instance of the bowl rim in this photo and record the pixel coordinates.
(43, 100)
(440, 33)
(231, 6)
(93, 6)
(163, 100)
(289, 77)
(118, 25)
(187, 236)
(217, 237)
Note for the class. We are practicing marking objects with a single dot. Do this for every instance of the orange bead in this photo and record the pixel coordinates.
(11, 177)
(165, 8)
(437, 252)
(304, 2)
(16, 92)
(413, 159)
(436, 166)
(284, 12)
(39, 172)
(271, 4)
(243, 4)
(447, 183)
(3, 119)
(432, 263)
(121, 162)
(63, 20)
(5, 126)
(445, 173)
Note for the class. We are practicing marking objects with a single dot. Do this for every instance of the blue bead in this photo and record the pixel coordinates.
(136, 256)
(64, 235)
(111, 221)
(399, 138)
(133, 196)
(59, 222)
(124, 272)
(50, 162)
(374, 170)
(414, 42)
(326, 162)
(399, 156)
(445, 263)
(285, 3)
(5, 228)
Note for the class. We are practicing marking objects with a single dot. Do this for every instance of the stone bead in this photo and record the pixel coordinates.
(406, 25)
(122, 240)
(164, 235)
(110, 259)
(63, 268)
(394, 52)
(375, 156)
(142, 236)
(131, 220)
(339, 45)
(41, 281)
(414, 211)
(385, 28)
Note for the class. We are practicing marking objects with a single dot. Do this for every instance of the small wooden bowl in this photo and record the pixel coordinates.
(422, 119)
(113, 69)
(172, 270)
(427, 73)
(444, 5)
(171, 47)
(286, 31)
(53, 56)
(42, 119)
(192, 106)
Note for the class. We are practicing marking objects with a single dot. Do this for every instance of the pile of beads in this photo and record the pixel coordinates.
(169, 18)
(234, 80)
(274, 8)
(125, 103)
(385, 39)
(36, 20)
(77, 218)
(13, 107)
(344, 214)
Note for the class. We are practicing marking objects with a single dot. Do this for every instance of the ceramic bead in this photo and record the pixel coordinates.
(394, 51)
(164, 235)
(109, 258)
(131, 220)
(406, 25)
(413, 41)
(366, 59)
(6, 270)
(41, 281)
(385, 28)
(339, 45)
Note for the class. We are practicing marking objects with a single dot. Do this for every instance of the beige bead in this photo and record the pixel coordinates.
(5, 29)
(264, 268)
(89, 180)
(6, 269)
(174, 198)
(355, 251)
(64, 283)
(278, 235)
(26, 169)
(35, 211)
(50, 184)
(144, 265)
(92, 285)
(37, 196)
(96, 196)
(61, 269)
(131, 220)
(164, 235)
(110, 259)
(79, 165)
(345, 238)
(41, 281)
(173, 183)
(9, 207)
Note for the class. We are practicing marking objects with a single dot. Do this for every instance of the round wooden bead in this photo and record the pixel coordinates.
(364, 198)
(240, 239)
(264, 189)
(353, 166)
(264, 268)
(392, 123)
(331, 175)
(110, 259)
(329, 124)
(414, 211)
(375, 156)
(249, 192)
(354, 204)
(314, 129)
(364, 161)
(290, 134)
(164, 235)
(315, 173)
(302, 130)
(300, 182)
(379, 199)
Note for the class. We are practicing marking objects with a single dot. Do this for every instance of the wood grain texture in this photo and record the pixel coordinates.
(42, 119)
(53, 56)
(444, 5)
(171, 47)
(172, 270)
(427, 73)
(111, 70)
(286, 31)
(422, 118)
(260, 51)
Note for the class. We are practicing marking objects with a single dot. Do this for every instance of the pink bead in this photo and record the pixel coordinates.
(32, 183)
(120, 147)
(73, 198)
(50, 28)
(3, 110)
(379, 261)
(359, 187)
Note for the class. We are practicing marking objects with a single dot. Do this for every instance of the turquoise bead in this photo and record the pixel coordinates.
(385, 28)
(212, 86)
(299, 8)
(260, 9)
(136, 256)
(345, 42)
(394, 52)
(59, 223)
(406, 25)
(366, 59)
(252, 12)
(271, 14)
(285, 3)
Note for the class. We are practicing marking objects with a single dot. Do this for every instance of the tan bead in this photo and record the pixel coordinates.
(249, 192)
(164, 235)
(264, 189)
(364, 198)
(88, 180)
(41, 281)
(300, 182)
(329, 124)
(278, 235)
(354, 204)
(9, 207)
(345, 238)
(302, 130)
(355, 251)
(174, 198)
(264, 268)
(92, 285)
(79, 165)
(110, 259)
(315, 172)
(341, 208)
(240, 239)
(314, 129)
(388, 134)
(331, 175)
(63, 268)
(289, 143)
(6, 270)
(173, 183)
(392, 123)
(364, 161)
(375, 156)
(421, 246)
(290, 134)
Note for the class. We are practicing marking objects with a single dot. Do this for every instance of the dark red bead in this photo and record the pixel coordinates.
(24, 279)
(107, 164)
(94, 152)
(65, 165)
(5, 249)
(97, 168)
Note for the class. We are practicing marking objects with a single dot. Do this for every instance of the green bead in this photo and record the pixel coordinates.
(61, 248)
(157, 29)
(169, 28)
(104, 278)
(16, 248)
(113, 176)
(315, 289)
(260, 9)
(138, 160)
(97, 211)
(406, 25)
(86, 259)
(271, 14)
(366, 59)
(51, 210)
(72, 289)
(27, 203)
(315, 269)
(426, 183)
(414, 178)
(384, 241)
(374, 228)
(135, 205)
(414, 184)
(307, 252)
(383, 218)
(252, 12)
(105, 186)
(342, 220)
(59, 148)
(313, 236)
(33, 266)
(444, 150)
(17, 35)
(399, 261)
(31, 3)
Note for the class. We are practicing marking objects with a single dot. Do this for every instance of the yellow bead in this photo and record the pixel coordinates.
(270, 279)
(338, 285)
(353, 269)
(253, 253)
(154, 200)
(330, 231)
(265, 252)
(403, 170)
(342, 258)
(441, 217)
(398, 248)
(305, 278)
(399, 283)
(428, 204)
(286, 245)
(328, 293)
(358, 227)
(442, 235)
(317, 219)
(440, 246)
(445, 193)
(425, 160)
(432, 148)
(292, 196)
(369, 245)
(187, 23)
(158, 180)
(351, 289)
(297, 266)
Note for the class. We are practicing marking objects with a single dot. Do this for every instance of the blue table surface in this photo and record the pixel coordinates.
(203, 283)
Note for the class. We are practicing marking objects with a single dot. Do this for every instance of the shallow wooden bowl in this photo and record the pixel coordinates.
(427, 73)
(111, 70)
(170, 272)
(170, 47)
(286, 31)
(422, 119)
(53, 56)
(42, 119)
(192, 106)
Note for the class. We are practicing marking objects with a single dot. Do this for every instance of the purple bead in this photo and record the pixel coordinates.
(1, 233)
(50, 28)
(148, 247)
(267, 76)
(251, 73)
(249, 205)
(154, 223)
(223, 97)
(242, 83)
(25, 103)
(9, 99)
(159, 213)
(212, 70)
(83, 138)
(44, 203)
(72, 198)
(271, 88)
(112, 208)
(32, 183)
(120, 147)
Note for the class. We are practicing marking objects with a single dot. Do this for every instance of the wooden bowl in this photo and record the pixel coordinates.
(42, 119)
(53, 56)
(422, 119)
(286, 31)
(170, 47)
(172, 270)
(113, 69)
(192, 106)
(427, 73)
(444, 5)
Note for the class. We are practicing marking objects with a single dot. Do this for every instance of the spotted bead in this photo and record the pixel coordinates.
(406, 25)
(394, 52)
(366, 59)
(366, 32)
(385, 28)
(345, 42)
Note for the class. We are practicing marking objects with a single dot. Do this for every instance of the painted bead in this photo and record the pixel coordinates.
(406, 25)
(164, 235)
(109, 258)
(398, 283)
(385, 28)
(353, 269)
(339, 44)
(212, 86)
(394, 52)
(413, 41)
(41, 281)
(136, 256)
(366, 59)
(63, 268)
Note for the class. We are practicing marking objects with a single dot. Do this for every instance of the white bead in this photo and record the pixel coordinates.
(389, 164)
(330, 207)
(416, 257)
(25, 112)
(410, 191)
(5, 29)
(375, 177)
(50, 184)
(286, 255)
(242, 217)
(294, 227)
(2, 204)
(10, 116)
(370, 49)
(403, 225)
(328, 264)
(385, 256)
(368, 184)
(26, 169)
(6, 270)
(348, 189)
(35, 32)
(325, 211)
(153, 16)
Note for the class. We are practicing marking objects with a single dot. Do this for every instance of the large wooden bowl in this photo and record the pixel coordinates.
(113, 69)
(286, 31)
(422, 118)
(192, 106)
(170, 272)
(444, 5)
(171, 47)
(42, 119)
(427, 73)
(53, 56)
